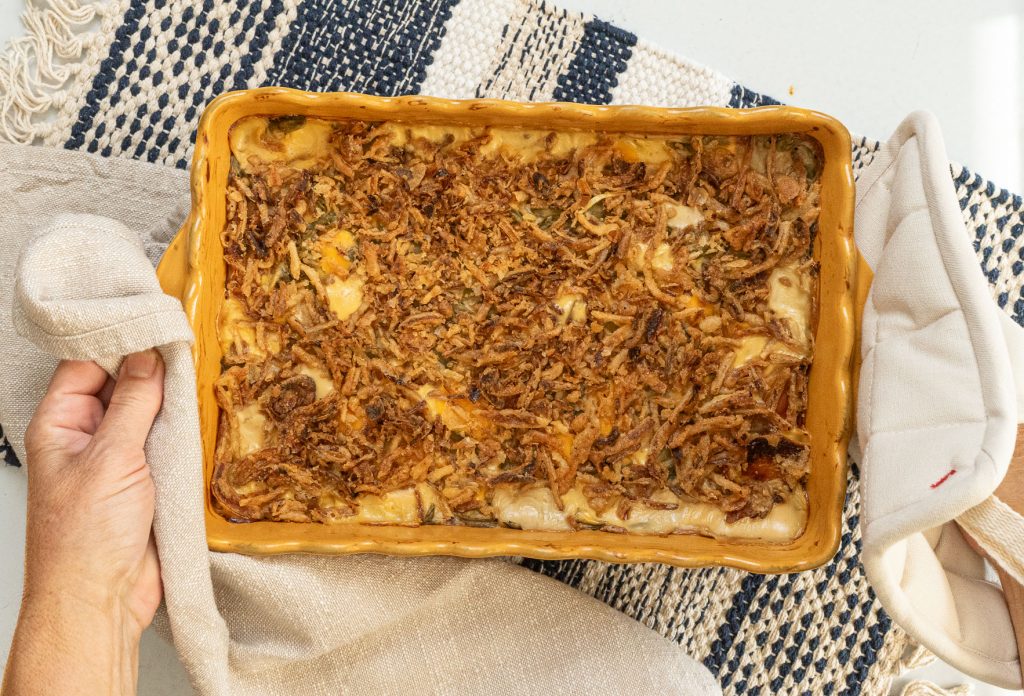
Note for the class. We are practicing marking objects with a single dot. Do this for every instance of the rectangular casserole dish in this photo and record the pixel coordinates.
(194, 270)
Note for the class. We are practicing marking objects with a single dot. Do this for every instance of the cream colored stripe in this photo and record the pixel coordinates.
(463, 59)
(274, 38)
(657, 78)
(536, 47)
(182, 129)
(998, 529)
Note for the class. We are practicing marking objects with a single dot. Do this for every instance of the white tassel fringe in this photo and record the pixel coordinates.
(42, 72)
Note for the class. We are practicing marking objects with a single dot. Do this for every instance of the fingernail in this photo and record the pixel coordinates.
(140, 365)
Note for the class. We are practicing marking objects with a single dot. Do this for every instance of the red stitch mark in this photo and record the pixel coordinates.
(943, 479)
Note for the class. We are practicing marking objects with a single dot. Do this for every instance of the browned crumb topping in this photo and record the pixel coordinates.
(550, 318)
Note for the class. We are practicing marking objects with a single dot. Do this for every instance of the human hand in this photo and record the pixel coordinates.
(91, 569)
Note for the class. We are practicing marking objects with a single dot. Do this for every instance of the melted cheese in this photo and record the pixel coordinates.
(571, 307)
(251, 432)
(529, 144)
(301, 148)
(789, 298)
(323, 381)
(343, 239)
(334, 253)
(750, 348)
(683, 216)
(535, 508)
(531, 508)
(661, 259)
(345, 296)
(640, 149)
(400, 134)
(395, 507)
(235, 328)
(456, 414)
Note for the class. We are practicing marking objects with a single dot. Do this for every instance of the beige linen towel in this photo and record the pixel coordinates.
(289, 624)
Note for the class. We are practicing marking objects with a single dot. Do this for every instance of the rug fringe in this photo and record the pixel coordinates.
(921, 687)
(42, 70)
(901, 653)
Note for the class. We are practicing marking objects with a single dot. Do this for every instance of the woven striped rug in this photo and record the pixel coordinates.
(129, 78)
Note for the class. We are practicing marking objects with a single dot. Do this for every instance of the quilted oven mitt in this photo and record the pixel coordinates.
(941, 392)
(85, 289)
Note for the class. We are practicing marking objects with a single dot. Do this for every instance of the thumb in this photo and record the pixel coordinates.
(134, 402)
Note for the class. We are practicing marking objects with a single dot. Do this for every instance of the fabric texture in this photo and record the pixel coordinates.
(933, 448)
(937, 412)
(85, 289)
(139, 85)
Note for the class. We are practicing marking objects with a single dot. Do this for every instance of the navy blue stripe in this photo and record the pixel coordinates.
(101, 83)
(734, 619)
(186, 43)
(369, 46)
(613, 594)
(569, 572)
(643, 610)
(735, 625)
(191, 39)
(991, 257)
(595, 68)
(705, 578)
(575, 572)
(230, 76)
(742, 98)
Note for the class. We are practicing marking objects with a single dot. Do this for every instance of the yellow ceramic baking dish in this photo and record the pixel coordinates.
(193, 269)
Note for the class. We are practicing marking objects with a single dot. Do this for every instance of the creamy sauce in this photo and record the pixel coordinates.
(235, 329)
(652, 150)
(301, 148)
(571, 307)
(528, 144)
(683, 216)
(324, 384)
(535, 508)
(401, 134)
(306, 144)
(661, 259)
(344, 297)
(456, 414)
(750, 348)
(395, 507)
(532, 508)
(251, 429)
(789, 298)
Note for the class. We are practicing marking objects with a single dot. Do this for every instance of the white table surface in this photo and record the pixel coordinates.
(868, 63)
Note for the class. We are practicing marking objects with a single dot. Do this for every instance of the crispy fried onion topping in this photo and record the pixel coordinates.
(443, 313)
